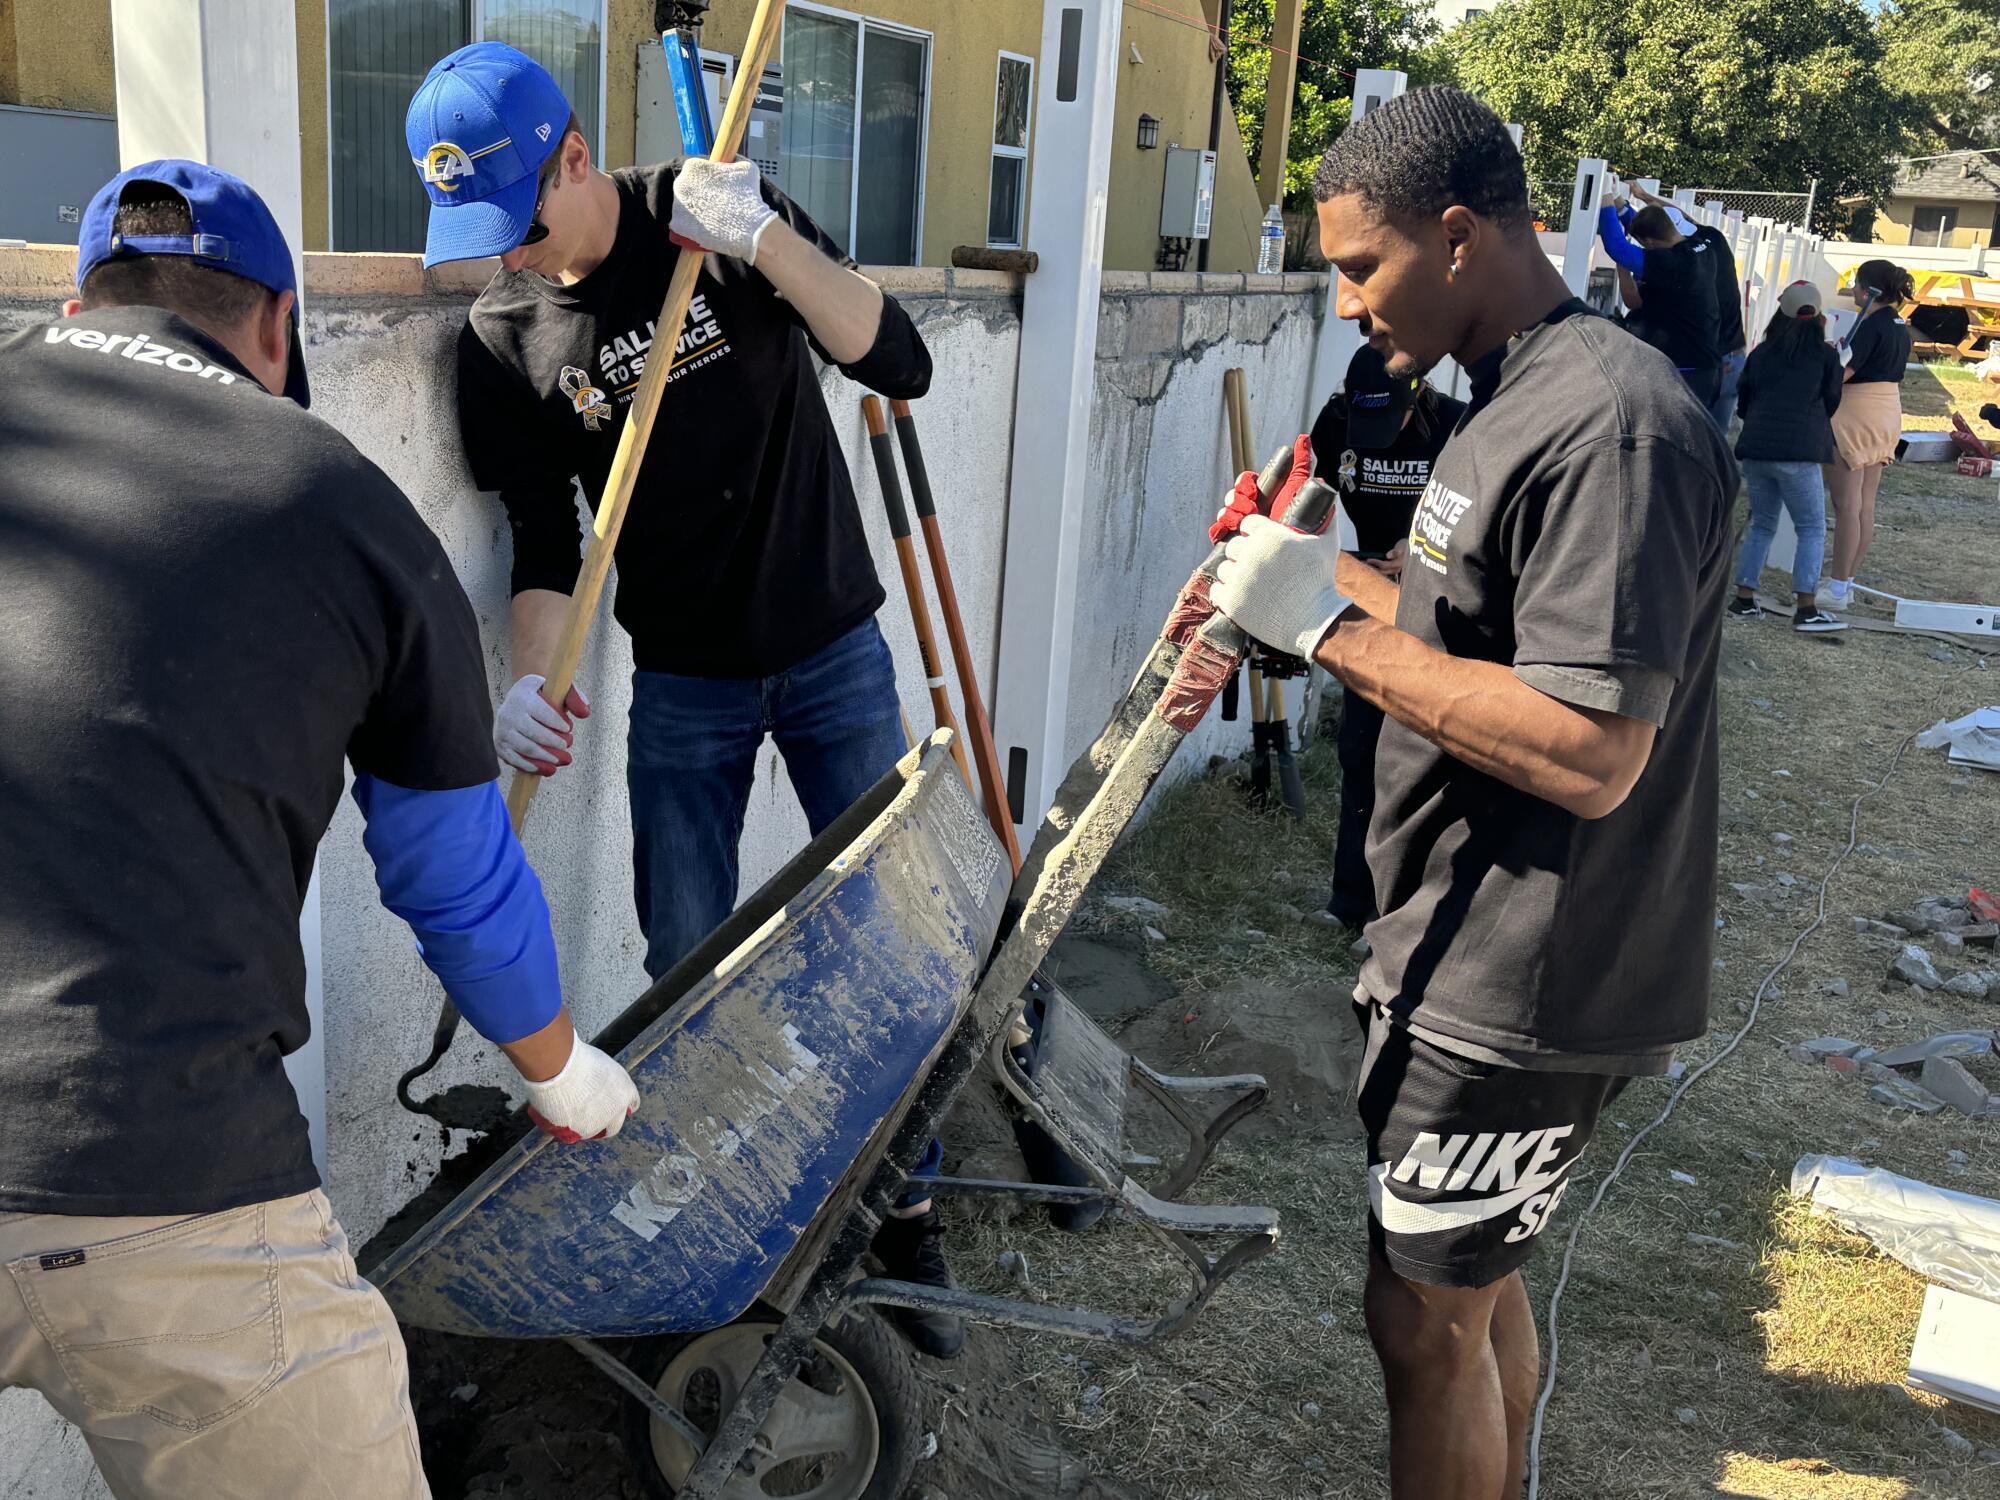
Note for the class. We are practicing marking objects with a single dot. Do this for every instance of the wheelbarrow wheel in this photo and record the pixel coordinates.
(847, 1427)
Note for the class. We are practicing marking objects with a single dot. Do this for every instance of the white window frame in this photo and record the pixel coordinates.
(478, 30)
(864, 23)
(1940, 237)
(1013, 153)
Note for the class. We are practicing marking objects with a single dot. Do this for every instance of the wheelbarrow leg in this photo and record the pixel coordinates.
(621, 1376)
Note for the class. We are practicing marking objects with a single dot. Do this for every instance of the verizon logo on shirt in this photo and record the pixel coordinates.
(140, 350)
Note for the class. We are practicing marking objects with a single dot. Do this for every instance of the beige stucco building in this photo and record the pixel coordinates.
(890, 104)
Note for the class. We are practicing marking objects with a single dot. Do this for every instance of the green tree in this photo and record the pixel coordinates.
(1943, 58)
(1764, 94)
(1338, 36)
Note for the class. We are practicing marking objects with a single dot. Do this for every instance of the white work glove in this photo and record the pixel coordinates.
(717, 206)
(533, 735)
(1277, 585)
(588, 1100)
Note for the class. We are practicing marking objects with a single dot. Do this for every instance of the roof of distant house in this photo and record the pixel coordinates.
(1964, 175)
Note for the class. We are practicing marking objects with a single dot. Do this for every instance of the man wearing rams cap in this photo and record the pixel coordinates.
(744, 577)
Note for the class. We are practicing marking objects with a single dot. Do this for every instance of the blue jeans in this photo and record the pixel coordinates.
(1799, 489)
(692, 750)
(691, 753)
(1723, 409)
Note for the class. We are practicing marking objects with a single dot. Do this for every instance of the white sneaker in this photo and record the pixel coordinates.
(1816, 621)
(1835, 593)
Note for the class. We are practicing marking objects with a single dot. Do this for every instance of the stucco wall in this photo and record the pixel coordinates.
(1974, 226)
(378, 333)
(62, 51)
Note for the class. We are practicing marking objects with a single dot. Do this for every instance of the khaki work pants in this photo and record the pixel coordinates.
(232, 1356)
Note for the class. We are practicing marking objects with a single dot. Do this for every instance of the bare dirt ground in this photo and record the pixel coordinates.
(1773, 1370)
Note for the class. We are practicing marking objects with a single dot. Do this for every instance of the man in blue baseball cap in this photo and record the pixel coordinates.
(744, 576)
(210, 601)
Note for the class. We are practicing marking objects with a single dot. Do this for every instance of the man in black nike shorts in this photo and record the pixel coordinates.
(1544, 838)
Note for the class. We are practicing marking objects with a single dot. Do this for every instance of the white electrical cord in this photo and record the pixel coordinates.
(1756, 1005)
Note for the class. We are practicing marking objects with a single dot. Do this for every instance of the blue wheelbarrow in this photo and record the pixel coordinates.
(791, 1071)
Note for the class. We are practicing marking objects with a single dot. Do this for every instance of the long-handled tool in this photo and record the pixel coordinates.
(645, 407)
(466, 1105)
(1270, 729)
(992, 786)
(913, 580)
(679, 25)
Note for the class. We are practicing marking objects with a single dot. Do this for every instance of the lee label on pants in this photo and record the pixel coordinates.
(63, 1260)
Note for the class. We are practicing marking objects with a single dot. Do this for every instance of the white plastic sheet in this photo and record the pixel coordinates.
(1950, 1238)
(1974, 739)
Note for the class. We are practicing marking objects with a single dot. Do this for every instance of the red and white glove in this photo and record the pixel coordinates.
(1278, 585)
(1247, 500)
(533, 735)
(588, 1100)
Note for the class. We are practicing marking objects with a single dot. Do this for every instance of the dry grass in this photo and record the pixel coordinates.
(1790, 1352)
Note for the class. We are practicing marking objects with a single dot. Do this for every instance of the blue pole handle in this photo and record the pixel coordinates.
(690, 94)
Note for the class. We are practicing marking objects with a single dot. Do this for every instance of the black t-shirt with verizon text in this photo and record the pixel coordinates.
(742, 551)
(207, 599)
(1575, 530)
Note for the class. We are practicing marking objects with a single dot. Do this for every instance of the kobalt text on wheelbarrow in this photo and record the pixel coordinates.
(790, 1072)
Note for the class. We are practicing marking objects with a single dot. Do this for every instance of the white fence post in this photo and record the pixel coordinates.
(1580, 239)
(1046, 498)
(1373, 87)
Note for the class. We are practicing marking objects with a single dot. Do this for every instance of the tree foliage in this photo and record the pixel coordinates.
(1943, 58)
(1338, 36)
(1766, 94)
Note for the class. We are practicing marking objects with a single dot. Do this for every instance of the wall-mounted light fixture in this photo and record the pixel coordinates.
(1149, 132)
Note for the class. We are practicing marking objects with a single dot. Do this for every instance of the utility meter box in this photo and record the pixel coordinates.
(1189, 199)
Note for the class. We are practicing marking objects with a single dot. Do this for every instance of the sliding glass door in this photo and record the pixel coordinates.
(856, 115)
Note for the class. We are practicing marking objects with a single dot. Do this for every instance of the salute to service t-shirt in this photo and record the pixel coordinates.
(208, 598)
(1379, 486)
(1575, 529)
(742, 551)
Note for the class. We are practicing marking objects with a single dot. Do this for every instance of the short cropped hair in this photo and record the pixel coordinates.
(1420, 153)
(203, 294)
(1652, 224)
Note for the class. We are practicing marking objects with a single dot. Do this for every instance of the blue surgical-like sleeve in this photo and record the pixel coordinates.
(1617, 245)
(447, 862)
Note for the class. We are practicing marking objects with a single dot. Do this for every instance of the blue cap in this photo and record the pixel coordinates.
(480, 126)
(233, 232)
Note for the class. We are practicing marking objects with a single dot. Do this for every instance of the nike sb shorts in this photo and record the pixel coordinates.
(1467, 1160)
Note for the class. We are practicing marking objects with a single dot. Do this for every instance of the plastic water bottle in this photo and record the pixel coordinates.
(1271, 243)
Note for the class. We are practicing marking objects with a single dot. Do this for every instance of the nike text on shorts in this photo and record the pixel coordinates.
(1467, 1160)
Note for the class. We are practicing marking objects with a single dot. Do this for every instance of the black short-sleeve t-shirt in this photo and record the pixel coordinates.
(1713, 243)
(208, 598)
(1880, 347)
(1678, 315)
(1379, 486)
(742, 551)
(1575, 529)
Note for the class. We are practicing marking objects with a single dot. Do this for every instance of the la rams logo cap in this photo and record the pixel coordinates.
(479, 128)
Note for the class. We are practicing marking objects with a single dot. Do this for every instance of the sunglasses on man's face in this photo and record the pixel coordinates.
(537, 230)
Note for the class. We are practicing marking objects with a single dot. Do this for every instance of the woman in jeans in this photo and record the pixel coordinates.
(1788, 394)
(1870, 423)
